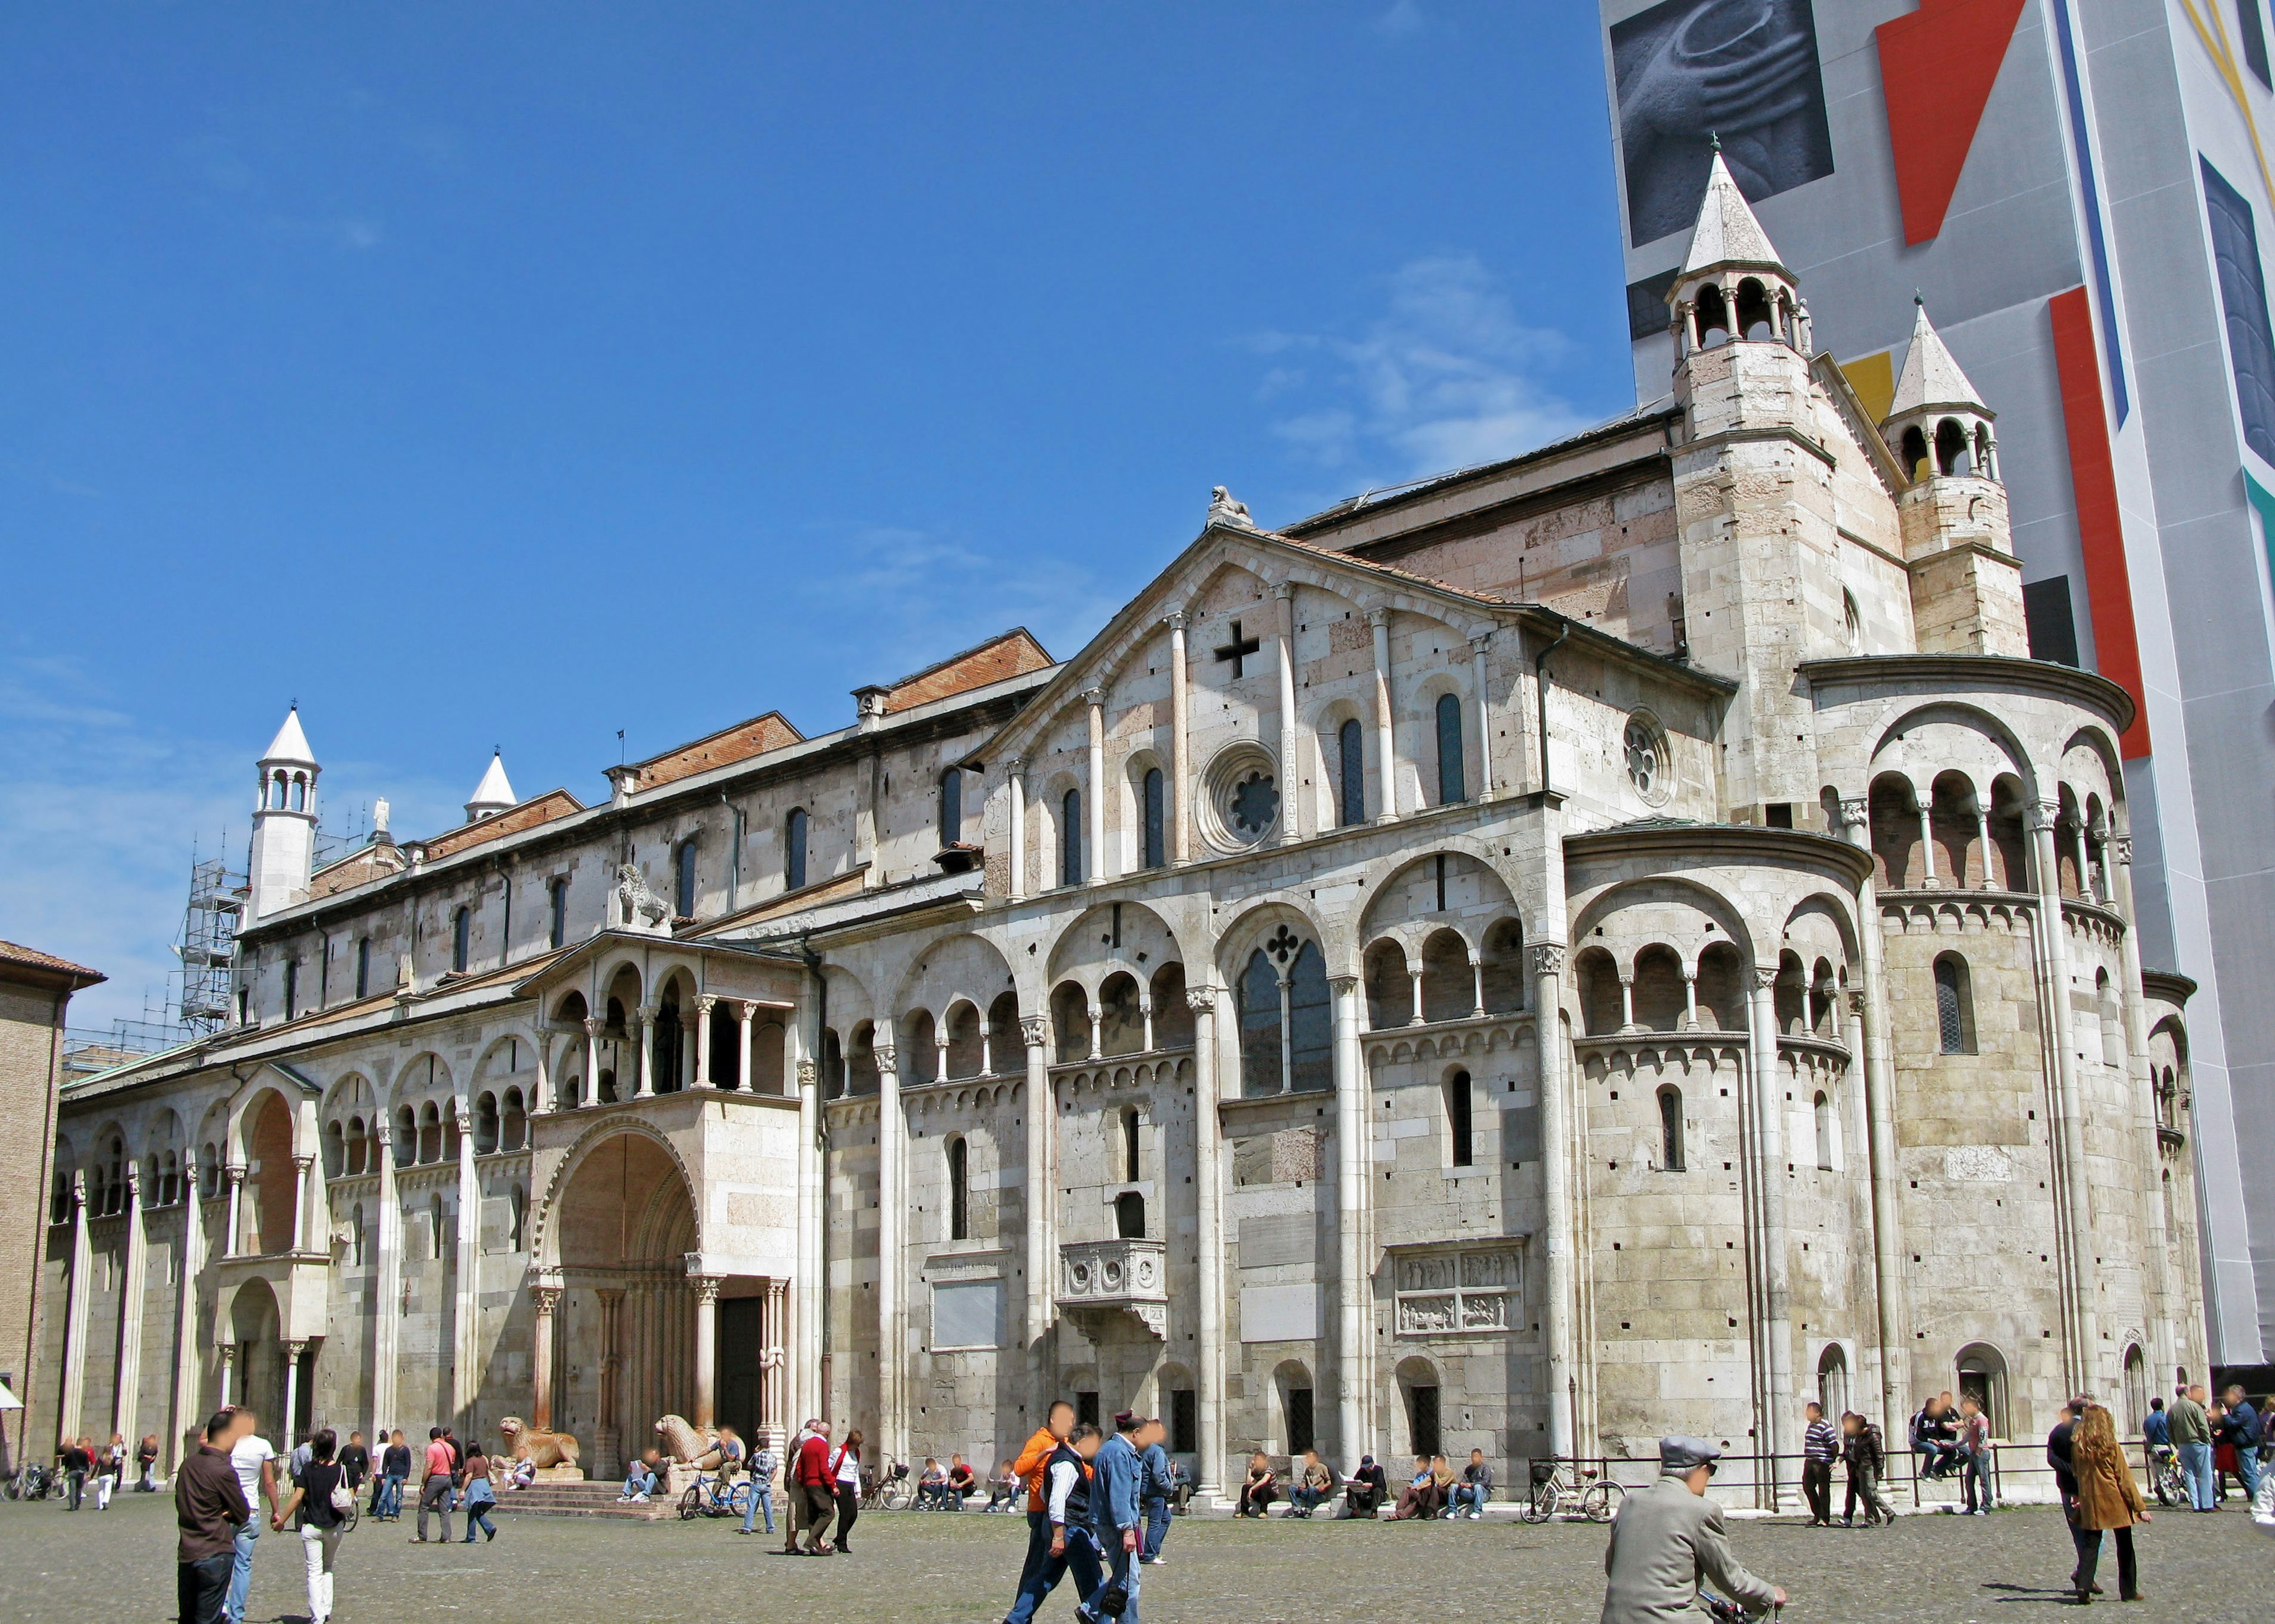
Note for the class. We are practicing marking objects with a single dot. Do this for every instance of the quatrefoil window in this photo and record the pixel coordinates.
(1644, 747)
(1255, 804)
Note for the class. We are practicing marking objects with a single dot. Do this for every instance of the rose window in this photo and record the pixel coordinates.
(1253, 805)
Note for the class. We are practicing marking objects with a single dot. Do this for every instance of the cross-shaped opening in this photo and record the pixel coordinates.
(1238, 649)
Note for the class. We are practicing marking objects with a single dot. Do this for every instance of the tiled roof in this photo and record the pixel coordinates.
(32, 958)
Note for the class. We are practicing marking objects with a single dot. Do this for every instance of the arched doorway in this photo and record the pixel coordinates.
(258, 1377)
(623, 1331)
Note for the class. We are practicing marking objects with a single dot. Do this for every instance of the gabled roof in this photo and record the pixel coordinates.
(541, 809)
(289, 744)
(1013, 653)
(1932, 375)
(20, 963)
(745, 739)
(1727, 232)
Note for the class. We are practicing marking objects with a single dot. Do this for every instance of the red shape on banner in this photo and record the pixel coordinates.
(1936, 68)
(2100, 525)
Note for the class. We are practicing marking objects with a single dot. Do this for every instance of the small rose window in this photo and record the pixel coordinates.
(1644, 747)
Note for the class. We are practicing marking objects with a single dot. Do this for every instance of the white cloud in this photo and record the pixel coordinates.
(1404, 17)
(1445, 377)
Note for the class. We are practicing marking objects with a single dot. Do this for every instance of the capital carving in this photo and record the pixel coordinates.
(1766, 976)
(1856, 811)
(1627, 976)
(1340, 985)
(1035, 1031)
(1094, 697)
(2122, 847)
(647, 1013)
(595, 1026)
(294, 1350)
(1547, 958)
(1174, 619)
(134, 1175)
(228, 1351)
(888, 1060)
(1377, 617)
(235, 1170)
(544, 1299)
(705, 1003)
(2042, 815)
(706, 1287)
(1479, 641)
(1201, 1000)
(809, 1073)
(1856, 1001)
(301, 1162)
(745, 1011)
(1284, 589)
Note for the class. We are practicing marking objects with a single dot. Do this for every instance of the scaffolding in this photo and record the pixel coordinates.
(208, 944)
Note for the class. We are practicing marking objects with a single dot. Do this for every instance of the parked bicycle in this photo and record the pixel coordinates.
(708, 1496)
(2164, 1479)
(31, 1482)
(1591, 1495)
(887, 1486)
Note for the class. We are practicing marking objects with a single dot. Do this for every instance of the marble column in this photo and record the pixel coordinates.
(1556, 1190)
(544, 1298)
(233, 1244)
(540, 1044)
(1014, 776)
(466, 1326)
(588, 1091)
(808, 1397)
(1927, 840)
(71, 1412)
(1209, 1135)
(1354, 1327)
(127, 1387)
(1042, 1253)
(773, 1408)
(608, 1443)
(706, 1343)
(1484, 681)
(1180, 759)
(301, 1163)
(2069, 1138)
(1879, 1116)
(745, 1079)
(385, 1304)
(291, 1424)
(701, 1037)
(1095, 866)
(228, 1351)
(1774, 1322)
(1293, 824)
(643, 1039)
(1385, 734)
(187, 1355)
(892, 1339)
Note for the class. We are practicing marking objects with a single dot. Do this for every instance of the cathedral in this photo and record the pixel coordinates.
(1578, 949)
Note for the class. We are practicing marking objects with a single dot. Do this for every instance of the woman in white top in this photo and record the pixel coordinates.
(845, 1467)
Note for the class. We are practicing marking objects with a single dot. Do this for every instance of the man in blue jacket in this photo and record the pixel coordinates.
(1117, 1516)
(1155, 1487)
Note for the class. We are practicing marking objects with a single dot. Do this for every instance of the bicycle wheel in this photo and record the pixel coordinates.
(898, 1495)
(350, 1518)
(739, 1501)
(1601, 1502)
(1542, 1506)
(690, 1501)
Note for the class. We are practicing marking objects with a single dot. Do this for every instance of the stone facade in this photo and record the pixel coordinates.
(1533, 960)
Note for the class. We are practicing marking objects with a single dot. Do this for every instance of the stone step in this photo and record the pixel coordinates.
(585, 1500)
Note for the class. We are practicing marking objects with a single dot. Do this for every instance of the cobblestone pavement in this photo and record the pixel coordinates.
(960, 1570)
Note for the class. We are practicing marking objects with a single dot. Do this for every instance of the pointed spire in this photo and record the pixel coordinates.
(289, 744)
(492, 796)
(1727, 232)
(1932, 375)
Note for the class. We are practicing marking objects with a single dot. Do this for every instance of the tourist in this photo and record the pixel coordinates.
(725, 1455)
(2062, 1445)
(1258, 1492)
(255, 1463)
(1118, 1473)
(77, 1460)
(641, 1482)
(817, 1498)
(1003, 1488)
(1866, 1456)
(1441, 1485)
(1475, 1488)
(1668, 1539)
(1367, 1489)
(2242, 1427)
(110, 1471)
(318, 1487)
(1032, 1467)
(2107, 1498)
(763, 1466)
(932, 1486)
(1419, 1497)
(303, 1452)
(1974, 1455)
(2156, 1427)
(2190, 1431)
(354, 1463)
(1931, 1433)
(1315, 1481)
(478, 1494)
(521, 1474)
(1820, 1447)
(845, 1474)
(1160, 1483)
(434, 1487)
(209, 1505)
(145, 1460)
(395, 1471)
(961, 1481)
(1071, 1539)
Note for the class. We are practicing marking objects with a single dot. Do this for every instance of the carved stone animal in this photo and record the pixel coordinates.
(679, 1441)
(641, 908)
(523, 1442)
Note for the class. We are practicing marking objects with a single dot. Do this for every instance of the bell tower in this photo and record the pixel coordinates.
(1966, 582)
(283, 821)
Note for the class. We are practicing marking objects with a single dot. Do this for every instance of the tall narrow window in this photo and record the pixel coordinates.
(1954, 1005)
(2251, 32)
(1350, 773)
(1070, 838)
(1130, 1164)
(1458, 1118)
(462, 938)
(682, 881)
(557, 897)
(1156, 850)
(1824, 1131)
(959, 1190)
(1670, 1130)
(363, 967)
(292, 988)
(951, 806)
(1451, 786)
(793, 849)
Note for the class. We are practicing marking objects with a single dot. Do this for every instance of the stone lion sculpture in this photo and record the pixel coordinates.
(680, 1442)
(641, 908)
(523, 1442)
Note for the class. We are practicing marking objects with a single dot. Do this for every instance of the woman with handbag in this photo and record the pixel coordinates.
(322, 1498)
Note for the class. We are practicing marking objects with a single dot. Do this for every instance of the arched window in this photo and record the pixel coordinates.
(793, 849)
(1458, 1118)
(1129, 1159)
(1824, 1131)
(1670, 1130)
(209, 1172)
(430, 1133)
(1070, 838)
(1130, 1216)
(336, 1150)
(363, 967)
(959, 1190)
(1950, 447)
(299, 792)
(1350, 773)
(557, 901)
(462, 938)
(486, 1124)
(291, 988)
(1156, 848)
(951, 806)
(358, 1148)
(682, 881)
(1914, 452)
(1954, 1005)
(1287, 1026)
(1451, 786)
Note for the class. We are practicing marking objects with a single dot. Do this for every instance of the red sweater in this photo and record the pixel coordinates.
(814, 1462)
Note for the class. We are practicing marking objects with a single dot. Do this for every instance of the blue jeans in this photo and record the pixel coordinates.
(640, 1481)
(762, 1504)
(240, 1571)
(1472, 1495)
(2196, 1469)
(390, 1496)
(2247, 1468)
(478, 1516)
(1035, 1585)
(1157, 1526)
(1122, 1568)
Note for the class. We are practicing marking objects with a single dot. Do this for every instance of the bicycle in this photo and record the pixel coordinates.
(30, 1483)
(887, 1487)
(2164, 1479)
(1593, 1501)
(1724, 1611)
(708, 1496)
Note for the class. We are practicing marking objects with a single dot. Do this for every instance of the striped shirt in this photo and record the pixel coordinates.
(1818, 1443)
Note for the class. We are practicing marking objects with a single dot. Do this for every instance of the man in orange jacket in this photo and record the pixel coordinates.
(1033, 1461)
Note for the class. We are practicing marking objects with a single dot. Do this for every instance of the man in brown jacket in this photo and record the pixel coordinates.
(210, 1504)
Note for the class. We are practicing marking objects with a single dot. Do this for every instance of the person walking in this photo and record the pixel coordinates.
(2108, 1501)
(845, 1474)
(763, 1466)
(1031, 1467)
(2191, 1434)
(1820, 1447)
(110, 1471)
(1154, 1496)
(2061, 1448)
(1867, 1456)
(480, 1494)
(1975, 1451)
(1668, 1539)
(321, 1497)
(209, 1505)
(435, 1488)
(394, 1472)
(1116, 1472)
(145, 1462)
(1068, 1487)
(77, 1459)
(255, 1463)
(817, 1493)
(354, 1463)
(2242, 1426)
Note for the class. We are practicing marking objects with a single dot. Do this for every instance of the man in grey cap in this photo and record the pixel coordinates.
(1668, 1539)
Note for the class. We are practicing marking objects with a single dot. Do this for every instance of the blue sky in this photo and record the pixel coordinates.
(513, 374)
